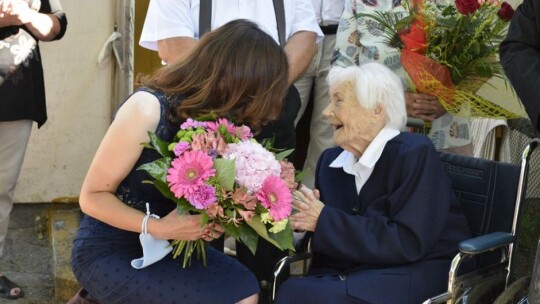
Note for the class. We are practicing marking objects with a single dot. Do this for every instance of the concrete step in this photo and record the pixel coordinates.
(63, 223)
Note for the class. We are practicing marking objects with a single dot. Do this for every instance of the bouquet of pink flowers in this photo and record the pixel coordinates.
(217, 169)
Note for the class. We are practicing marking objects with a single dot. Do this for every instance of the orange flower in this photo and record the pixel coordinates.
(415, 39)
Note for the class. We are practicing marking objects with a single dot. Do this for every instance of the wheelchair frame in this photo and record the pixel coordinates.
(505, 241)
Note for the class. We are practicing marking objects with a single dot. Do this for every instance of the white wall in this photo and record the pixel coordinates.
(78, 101)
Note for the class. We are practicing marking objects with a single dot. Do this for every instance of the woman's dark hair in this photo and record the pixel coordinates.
(236, 71)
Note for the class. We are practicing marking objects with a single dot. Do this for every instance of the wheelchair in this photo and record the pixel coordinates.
(491, 194)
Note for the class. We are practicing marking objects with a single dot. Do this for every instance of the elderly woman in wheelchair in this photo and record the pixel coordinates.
(384, 221)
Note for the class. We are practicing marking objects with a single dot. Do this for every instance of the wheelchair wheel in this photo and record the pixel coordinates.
(516, 292)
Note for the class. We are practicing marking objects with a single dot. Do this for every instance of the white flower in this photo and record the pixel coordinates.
(23, 51)
(253, 164)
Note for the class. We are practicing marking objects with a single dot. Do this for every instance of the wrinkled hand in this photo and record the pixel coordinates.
(174, 226)
(309, 207)
(423, 106)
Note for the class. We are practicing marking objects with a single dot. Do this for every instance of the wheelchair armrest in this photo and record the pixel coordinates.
(282, 265)
(286, 261)
(486, 242)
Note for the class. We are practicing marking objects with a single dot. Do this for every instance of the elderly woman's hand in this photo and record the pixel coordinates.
(309, 207)
(423, 106)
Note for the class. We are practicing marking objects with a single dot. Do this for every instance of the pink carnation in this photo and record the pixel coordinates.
(287, 174)
(203, 197)
(190, 123)
(188, 172)
(180, 148)
(253, 164)
(275, 196)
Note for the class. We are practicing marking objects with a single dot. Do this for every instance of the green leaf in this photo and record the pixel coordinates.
(248, 237)
(284, 237)
(183, 206)
(158, 168)
(403, 23)
(225, 172)
(208, 117)
(233, 231)
(268, 143)
(204, 218)
(282, 155)
(299, 176)
(164, 189)
(260, 229)
(160, 145)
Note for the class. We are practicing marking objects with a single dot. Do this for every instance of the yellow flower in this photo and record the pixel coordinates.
(279, 226)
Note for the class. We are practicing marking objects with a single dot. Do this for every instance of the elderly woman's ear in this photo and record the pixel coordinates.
(378, 116)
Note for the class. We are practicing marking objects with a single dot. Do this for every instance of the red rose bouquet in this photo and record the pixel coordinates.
(449, 50)
(215, 168)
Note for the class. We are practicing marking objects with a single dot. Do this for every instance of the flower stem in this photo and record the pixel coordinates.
(188, 248)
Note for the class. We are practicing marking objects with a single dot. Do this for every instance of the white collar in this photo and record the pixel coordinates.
(364, 166)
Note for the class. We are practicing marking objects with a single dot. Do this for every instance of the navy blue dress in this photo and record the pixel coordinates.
(102, 254)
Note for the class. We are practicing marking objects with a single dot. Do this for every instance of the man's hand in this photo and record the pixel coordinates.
(423, 106)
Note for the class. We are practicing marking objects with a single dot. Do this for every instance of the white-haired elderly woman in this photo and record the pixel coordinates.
(385, 223)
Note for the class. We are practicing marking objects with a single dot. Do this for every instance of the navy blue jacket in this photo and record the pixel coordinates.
(394, 241)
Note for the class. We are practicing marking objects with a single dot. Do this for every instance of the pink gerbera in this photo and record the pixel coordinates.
(276, 196)
(203, 197)
(189, 171)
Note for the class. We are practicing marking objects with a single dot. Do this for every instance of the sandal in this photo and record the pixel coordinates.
(6, 287)
(83, 297)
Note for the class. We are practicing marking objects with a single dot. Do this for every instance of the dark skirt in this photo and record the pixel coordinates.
(101, 261)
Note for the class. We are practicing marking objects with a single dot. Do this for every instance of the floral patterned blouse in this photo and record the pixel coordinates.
(22, 87)
(360, 40)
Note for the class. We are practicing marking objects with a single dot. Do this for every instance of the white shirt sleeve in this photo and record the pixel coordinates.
(166, 19)
(304, 19)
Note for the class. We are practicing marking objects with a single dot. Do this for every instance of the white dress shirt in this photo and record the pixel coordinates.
(328, 12)
(180, 18)
(363, 167)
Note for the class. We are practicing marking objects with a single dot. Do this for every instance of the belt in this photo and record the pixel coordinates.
(329, 29)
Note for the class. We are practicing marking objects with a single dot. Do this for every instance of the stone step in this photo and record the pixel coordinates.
(63, 223)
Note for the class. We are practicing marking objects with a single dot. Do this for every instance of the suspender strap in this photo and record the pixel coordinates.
(205, 17)
(280, 19)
